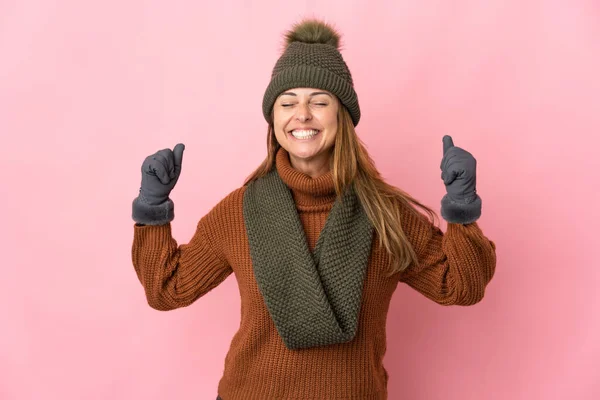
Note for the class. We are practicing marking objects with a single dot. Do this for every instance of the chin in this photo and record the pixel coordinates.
(307, 154)
(304, 154)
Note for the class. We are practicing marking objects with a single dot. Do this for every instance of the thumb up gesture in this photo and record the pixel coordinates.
(160, 173)
(461, 204)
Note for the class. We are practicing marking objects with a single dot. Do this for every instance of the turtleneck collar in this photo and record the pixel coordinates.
(305, 190)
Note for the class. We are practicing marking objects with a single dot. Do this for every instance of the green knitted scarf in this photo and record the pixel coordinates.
(313, 298)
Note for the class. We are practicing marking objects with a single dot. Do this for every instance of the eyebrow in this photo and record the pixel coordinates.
(312, 94)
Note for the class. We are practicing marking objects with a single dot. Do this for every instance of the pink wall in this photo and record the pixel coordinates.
(88, 89)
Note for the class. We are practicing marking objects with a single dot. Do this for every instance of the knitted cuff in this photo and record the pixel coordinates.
(144, 213)
(461, 212)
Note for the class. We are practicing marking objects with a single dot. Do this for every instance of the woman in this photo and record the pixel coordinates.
(317, 240)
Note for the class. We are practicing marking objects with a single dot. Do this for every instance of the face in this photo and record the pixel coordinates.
(305, 122)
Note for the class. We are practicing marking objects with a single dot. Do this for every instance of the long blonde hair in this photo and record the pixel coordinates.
(351, 163)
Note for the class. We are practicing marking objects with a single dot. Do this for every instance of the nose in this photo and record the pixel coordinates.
(303, 113)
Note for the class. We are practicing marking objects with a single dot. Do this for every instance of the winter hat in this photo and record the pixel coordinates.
(312, 59)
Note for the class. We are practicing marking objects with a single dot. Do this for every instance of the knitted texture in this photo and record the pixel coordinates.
(313, 65)
(314, 299)
(454, 268)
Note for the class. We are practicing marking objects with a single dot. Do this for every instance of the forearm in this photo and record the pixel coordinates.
(175, 276)
(455, 267)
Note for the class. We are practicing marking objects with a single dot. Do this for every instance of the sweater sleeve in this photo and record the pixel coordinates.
(175, 275)
(455, 267)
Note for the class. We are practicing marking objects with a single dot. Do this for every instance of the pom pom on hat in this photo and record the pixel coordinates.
(313, 31)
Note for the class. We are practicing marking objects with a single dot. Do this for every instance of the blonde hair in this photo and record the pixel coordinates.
(381, 201)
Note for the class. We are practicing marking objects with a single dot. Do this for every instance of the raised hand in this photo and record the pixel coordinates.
(160, 172)
(458, 171)
(461, 204)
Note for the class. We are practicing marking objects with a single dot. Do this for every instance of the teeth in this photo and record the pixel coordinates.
(303, 134)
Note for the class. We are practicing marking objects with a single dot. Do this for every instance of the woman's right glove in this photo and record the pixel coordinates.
(160, 172)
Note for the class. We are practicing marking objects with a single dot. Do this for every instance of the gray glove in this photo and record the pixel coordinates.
(160, 172)
(461, 204)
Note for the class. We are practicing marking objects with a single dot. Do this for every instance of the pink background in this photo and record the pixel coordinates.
(88, 89)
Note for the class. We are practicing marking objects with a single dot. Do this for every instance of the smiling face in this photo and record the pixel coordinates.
(305, 124)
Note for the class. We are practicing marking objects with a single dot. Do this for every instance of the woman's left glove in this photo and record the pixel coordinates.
(461, 204)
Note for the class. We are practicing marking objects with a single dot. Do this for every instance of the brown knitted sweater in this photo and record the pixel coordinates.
(455, 268)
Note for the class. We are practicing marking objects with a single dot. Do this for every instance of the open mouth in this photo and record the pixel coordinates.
(304, 134)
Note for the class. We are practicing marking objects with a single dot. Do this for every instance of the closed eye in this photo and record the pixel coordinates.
(317, 104)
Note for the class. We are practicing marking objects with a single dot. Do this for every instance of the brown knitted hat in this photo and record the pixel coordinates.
(312, 59)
